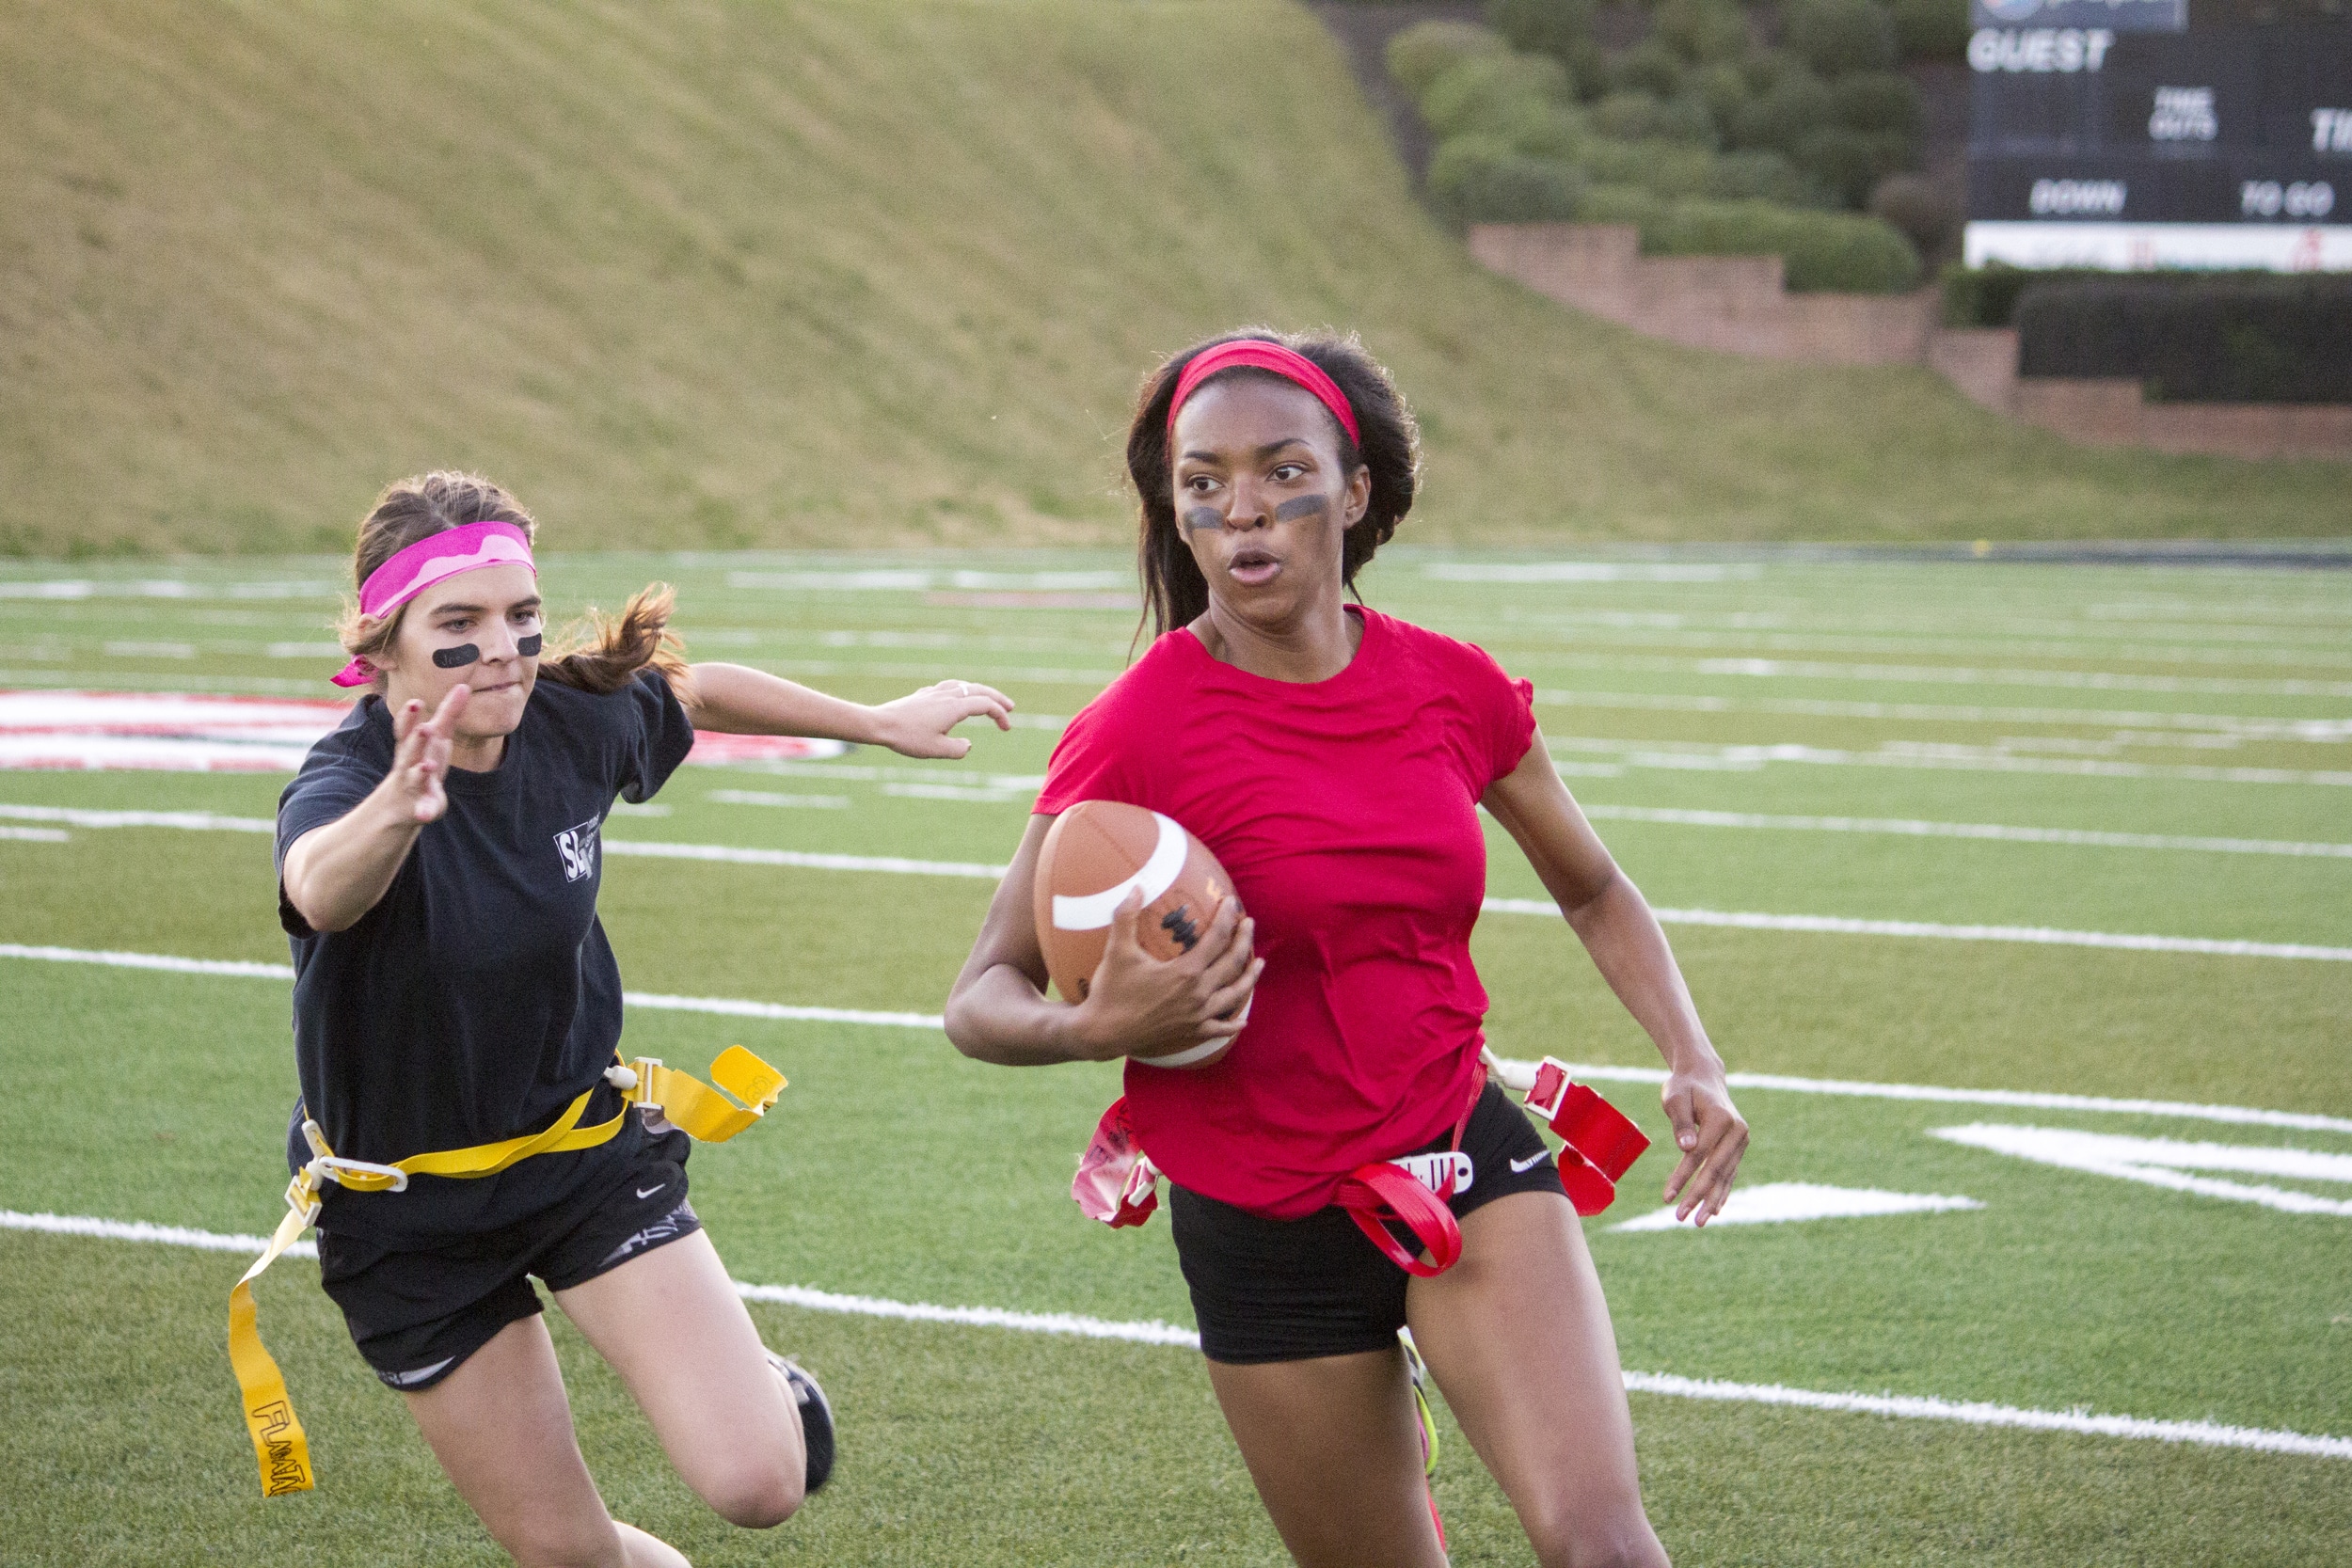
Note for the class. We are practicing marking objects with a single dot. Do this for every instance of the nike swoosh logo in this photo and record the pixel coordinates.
(648, 1191)
(1518, 1167)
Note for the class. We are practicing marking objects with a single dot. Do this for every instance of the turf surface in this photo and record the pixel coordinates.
(2126, 698)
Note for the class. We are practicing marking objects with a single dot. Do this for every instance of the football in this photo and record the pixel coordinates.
(1095, 854)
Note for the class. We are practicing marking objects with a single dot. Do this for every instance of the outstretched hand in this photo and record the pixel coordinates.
(917, 725)
(1140, 1006)
(1711, 1136)
(420, 748)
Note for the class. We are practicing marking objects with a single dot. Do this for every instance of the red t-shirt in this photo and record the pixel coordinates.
(1345, 812)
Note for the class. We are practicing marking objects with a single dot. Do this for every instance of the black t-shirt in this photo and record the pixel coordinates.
(479, 996)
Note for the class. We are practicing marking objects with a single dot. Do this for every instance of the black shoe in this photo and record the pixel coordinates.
(816, 1418)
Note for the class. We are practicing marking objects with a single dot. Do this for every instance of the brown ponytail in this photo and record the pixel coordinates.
(604, 653)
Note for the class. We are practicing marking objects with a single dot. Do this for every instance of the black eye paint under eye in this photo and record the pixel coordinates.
(468, 653)
(1302, 506)
(1204, 517)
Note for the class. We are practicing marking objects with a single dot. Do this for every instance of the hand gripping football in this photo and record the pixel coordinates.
(1095, 854)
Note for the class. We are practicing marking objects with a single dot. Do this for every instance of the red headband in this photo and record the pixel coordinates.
(1257, 354)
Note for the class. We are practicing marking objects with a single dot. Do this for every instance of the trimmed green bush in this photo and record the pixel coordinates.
(1766, 176)
(1665, 169)
(1821, 251)
(1988, 295)
(2191, 339)
(1620, 203)
(1878, 101)
(1849, 163)
(1425, 50)
(1931, 29)
(1648, 66)
(1764, 67)
(1703, 31)
(1835, 37)
(1792, 107)
(1482, 180)
(1494, 94)
(1927, 212)
(1560, 30)
(1724, 91)
(1638, 116)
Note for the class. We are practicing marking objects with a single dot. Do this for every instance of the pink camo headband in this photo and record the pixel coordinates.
(433, 559)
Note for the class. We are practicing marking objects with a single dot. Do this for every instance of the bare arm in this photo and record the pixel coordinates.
(1135, 1004)
(1613, 921)
(735, 699)
(335, 874)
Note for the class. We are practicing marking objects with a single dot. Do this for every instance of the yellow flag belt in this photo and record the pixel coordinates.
(686, 1103)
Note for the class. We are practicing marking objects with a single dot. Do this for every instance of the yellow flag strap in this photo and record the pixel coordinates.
(702, 1113)
(279, 1444)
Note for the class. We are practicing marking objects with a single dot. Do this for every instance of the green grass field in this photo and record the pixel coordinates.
(1827, 714)
(838, 273)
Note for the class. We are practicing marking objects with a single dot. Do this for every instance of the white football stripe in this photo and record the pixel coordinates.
(2158, 1163)
(37, 835)
(1514, 1075)
(1093, 910)
(1911, 1406)
(1784, 1202)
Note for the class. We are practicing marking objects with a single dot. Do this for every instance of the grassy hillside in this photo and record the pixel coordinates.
(825, 272)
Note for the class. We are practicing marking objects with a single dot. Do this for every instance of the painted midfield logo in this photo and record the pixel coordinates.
(577, 848)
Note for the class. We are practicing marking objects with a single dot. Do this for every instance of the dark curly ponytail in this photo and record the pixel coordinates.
(1174, 592)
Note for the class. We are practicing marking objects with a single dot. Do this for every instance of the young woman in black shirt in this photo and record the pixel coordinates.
(439, 862)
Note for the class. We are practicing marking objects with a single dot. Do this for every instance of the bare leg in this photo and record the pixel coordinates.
(501, 1428)
(670, 1324)
(1334, 1448)
(1517, 1336)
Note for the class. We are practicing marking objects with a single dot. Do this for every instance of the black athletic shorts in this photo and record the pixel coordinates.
(417, 1314)
(1291, 1289)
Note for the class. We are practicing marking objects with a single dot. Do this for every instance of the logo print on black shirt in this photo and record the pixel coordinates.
(577, 846)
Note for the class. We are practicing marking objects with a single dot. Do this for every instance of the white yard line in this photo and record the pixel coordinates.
(2317, 730)
(35, 835)
(729, 1007)
(1915, 1407)
(2034, 935)
(733, 1007)
(1906, 827)
(2032, 1100)
(1745, 920)
(1919, 1407)
(1951, 675)
(202, 821)
(192, 821)
(1915, 756)
(890, 865)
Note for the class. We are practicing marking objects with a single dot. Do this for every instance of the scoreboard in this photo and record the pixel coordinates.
(2102, 135)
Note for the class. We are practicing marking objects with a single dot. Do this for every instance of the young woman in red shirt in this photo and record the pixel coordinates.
(1334, 760)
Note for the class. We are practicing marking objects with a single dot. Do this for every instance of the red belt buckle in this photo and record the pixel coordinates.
(1601, 1142)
